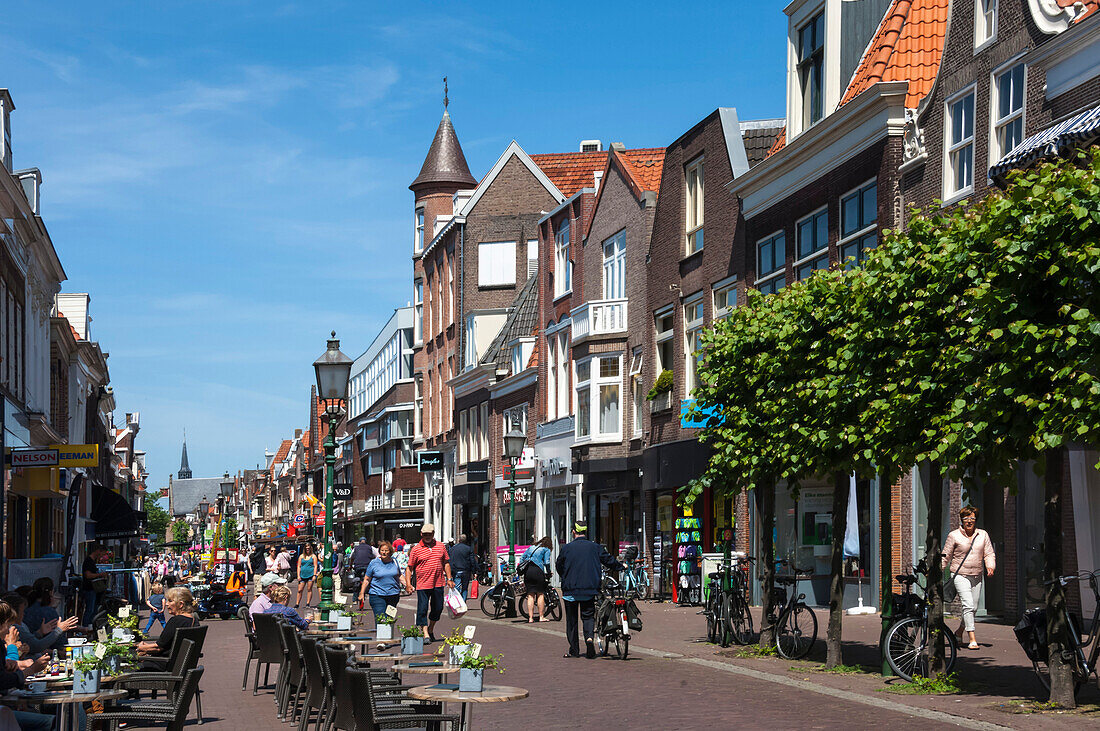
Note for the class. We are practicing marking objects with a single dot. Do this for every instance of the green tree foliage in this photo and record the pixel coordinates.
(157, 519)
(181, 531)
(230, 533)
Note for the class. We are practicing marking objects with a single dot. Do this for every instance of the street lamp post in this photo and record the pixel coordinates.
(514, 442)
(204, 510)
(333, 369)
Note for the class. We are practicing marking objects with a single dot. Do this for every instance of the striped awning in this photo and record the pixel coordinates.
(1051, 142)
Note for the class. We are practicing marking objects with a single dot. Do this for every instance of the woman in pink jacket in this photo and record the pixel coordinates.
(968, 553)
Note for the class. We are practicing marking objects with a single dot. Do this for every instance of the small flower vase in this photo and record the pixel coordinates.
(86, 681)
(384, 630)
(471, 680)
(412, 645)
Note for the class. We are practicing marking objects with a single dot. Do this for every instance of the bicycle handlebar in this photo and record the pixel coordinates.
(1080, 576)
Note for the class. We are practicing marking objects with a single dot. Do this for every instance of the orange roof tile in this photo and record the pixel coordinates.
(571, 171)
(779, 144)
(644, 165)
(908, 46)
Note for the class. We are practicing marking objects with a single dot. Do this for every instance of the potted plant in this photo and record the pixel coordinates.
(471, 674)
(412, 640)
(116, 653)
(661, 386)
(123, 628)
(86, 672)
(383, 626)
(457, 645)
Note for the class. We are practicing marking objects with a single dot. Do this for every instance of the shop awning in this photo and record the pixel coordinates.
(1051, 142)
(113, 516)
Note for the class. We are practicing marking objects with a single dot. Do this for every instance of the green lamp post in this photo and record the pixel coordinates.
(333, 369)
(514, 441)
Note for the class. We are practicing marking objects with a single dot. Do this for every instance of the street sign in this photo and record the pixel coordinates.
(33, 458)
(299, 519)
(342, 490)
(478, 471)
(429, 461)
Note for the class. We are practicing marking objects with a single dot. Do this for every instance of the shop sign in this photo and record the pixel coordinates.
(525, 467)
(703, 417)
(342, 490)
(299, 519)
(429, 461)
(522, 495)
(552, 467)
(478, 471)
(77, 455)
(33, 458)
(319, 520)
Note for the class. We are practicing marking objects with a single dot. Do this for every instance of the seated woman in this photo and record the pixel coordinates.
(40, 606)
(179, 605)
(14, 672)
(43, 637)
(280, 595)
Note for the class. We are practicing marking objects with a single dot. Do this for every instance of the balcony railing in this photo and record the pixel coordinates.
(599, 317)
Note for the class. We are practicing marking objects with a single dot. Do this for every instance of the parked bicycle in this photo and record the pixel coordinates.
(553, 605)
(635, 577)
(727, 607)
(509, 591)
(1084, 651)
(907, 644)
(794, 622)
(616, 617)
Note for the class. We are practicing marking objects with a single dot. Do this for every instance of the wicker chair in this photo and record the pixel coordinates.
(369, 716)
(253, 649)
(316, 683)
(269, 644)
(170, 681)
(172, 716)
(293, 677)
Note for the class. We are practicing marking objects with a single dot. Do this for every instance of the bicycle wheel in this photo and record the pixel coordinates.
(553, 605)
(907, 644)
(521, 606)
(725, 630)
(492, 601)
(740, 620)
(622, 645)
(796, 633)
(711, 613)
(1042, 671)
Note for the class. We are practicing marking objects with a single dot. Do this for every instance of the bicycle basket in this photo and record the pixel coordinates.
(905, 605)
(1031, 633)
(630, 553)
(779, 596)
(633, 616)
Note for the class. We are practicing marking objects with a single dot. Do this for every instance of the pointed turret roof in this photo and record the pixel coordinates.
(445, 162)
(185, 469)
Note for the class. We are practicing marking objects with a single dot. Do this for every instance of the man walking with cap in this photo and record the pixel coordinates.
(579, 568)
(429, 561)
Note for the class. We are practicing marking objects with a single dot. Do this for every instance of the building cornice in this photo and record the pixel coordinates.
(876, 113)
(1071, 58)
(469, 381)
(521, 380)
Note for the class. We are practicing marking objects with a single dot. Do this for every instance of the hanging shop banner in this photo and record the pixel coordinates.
(299, 519)
(477, 471)
(429, 461)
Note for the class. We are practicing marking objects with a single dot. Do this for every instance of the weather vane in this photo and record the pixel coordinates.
(446, 100)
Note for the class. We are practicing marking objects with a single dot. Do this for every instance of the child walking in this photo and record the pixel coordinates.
(156, 607)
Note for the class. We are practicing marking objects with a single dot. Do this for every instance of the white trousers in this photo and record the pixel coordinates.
(970, 590)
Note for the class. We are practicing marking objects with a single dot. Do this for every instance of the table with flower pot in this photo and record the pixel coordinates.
(427, 668)
(68, 717)
(487, 694)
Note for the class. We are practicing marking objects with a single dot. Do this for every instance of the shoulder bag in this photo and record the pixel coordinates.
(950, 593)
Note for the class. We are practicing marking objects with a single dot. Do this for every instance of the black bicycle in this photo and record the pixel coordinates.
(794, 622)
(509, 590)
(907, 644)
(1084, 652)
(553, 604)
(727, 607)
(615, 612)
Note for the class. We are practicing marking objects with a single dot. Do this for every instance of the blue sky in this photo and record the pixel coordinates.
(230, 180)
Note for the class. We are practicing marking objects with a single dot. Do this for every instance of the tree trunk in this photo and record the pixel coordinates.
(833, 650)
(933, 546)
(1058, 641)
(765, 510)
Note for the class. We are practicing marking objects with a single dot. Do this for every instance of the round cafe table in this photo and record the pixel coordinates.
(68, 717)
(372, 657)
(488, 694)
(440, 671)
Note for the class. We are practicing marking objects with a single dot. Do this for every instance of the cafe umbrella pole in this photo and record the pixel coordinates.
(332, 369)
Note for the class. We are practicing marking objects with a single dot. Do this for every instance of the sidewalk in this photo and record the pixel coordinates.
(996, 678)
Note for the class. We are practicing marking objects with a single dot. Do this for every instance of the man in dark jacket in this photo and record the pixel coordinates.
(463, 565)
(579, 565)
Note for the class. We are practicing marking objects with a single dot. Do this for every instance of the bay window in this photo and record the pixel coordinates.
(599, 382)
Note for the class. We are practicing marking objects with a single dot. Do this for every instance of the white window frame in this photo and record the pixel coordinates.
(591, 386)
(439, 295)
(768, 281)
(492, 273)
(483, 420)
(724, 288)
(471, 341)
(816, 254)
(418, 310)
(585, 387)
(449, 262)
(996, 124)
(861, 231)
(563, 267)
(463, 437)
(551, 376)
(692, 328)
(951, 147)
(412, 497)
(564, 395)
(983, 36)
(637, 392)
(694, 199)
(803, 71)
(418, 229)
(662, 336)
(614, 266)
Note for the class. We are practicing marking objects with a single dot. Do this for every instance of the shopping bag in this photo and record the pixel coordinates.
(456, 605)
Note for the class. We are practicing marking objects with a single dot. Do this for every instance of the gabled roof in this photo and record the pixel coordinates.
(571, 171)
(521, 323)
(445, 162)
(907, 46)
(641, 169)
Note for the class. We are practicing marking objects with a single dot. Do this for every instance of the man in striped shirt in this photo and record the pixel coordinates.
(429, 562)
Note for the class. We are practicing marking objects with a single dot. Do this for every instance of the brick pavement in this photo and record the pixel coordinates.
(675, 680)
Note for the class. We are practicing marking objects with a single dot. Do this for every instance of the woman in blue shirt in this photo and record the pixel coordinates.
(536, 577)
(383, 581)
(307, 570)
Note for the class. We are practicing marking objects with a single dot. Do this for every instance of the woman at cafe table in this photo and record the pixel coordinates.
(14, 673)
(179, 605)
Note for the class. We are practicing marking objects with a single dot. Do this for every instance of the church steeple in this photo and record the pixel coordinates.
(445, 163)
(185, 469)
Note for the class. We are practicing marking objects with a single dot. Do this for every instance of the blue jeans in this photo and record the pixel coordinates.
(34, 721)
(154, 617)
(424, 598)
(90, 606)
(379, 602)
(462, 584)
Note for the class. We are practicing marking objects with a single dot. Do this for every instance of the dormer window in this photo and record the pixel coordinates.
(985, 22)
(418, 237)
(521, 354)
(811, 63)
(693, 176)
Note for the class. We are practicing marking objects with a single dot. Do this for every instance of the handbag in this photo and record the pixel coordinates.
(100, 585)
(950, 593)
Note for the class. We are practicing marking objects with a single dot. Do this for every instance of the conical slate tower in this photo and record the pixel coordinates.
(445, 164)
(185, 469)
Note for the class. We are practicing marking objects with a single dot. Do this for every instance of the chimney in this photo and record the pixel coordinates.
(31, 180)
(297, 433)
(618, 147)
(591, 146)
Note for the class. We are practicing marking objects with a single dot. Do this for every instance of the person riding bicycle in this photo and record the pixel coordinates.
(578, 566)
(536, 577)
